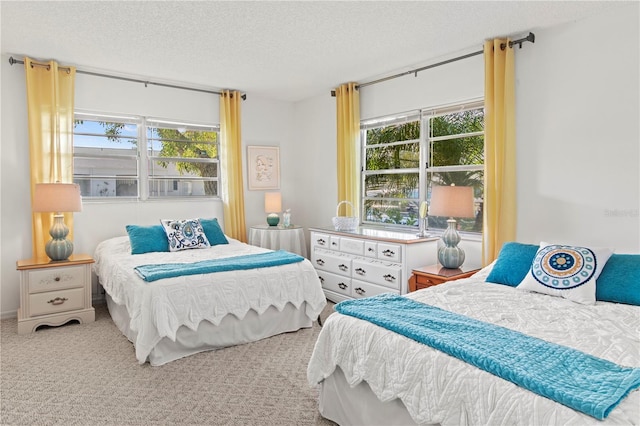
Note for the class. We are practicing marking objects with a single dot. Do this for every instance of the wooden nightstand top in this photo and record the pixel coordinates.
(447, 273)
(45, 262)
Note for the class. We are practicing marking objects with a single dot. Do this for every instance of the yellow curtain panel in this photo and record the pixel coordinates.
(348, 123)
(50, 101)
(231, 165)
(500, 149)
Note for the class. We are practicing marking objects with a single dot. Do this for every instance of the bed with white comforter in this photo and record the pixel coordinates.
(175, 317)
(368, 374)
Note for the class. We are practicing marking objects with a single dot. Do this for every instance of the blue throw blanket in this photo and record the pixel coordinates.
(578, 380)
(251, 261)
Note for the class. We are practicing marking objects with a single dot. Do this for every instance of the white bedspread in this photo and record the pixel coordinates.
(438, 388)
(157, 309)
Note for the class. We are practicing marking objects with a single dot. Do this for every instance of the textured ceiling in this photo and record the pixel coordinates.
(280, 50)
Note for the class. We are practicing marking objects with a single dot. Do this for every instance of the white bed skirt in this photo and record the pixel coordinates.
(350, 406)
(231, 331)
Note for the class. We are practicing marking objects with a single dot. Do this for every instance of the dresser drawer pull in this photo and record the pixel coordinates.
(343, 267)
(320, 262)
(334, 244)
(389, 278)
(371, 249)
(388, 253)
(342, 285)
(58, 300)
(361, 271)
(360, 291)
(56, 279)
(321, 242)
(321, 279)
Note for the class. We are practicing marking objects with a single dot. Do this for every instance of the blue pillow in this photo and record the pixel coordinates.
(620, 280)
(213, 231)
(513, 264)
(146, 239)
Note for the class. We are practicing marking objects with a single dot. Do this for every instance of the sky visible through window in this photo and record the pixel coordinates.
(128, 134)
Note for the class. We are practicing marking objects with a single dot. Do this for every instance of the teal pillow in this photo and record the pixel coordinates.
(146, 239)
(513, 263)
(620, 280)
(213, 231)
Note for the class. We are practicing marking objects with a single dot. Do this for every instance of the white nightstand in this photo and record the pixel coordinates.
(53, 293)
(277, 238)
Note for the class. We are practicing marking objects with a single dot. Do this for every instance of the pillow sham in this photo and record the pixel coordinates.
(147, 239)
(566, 271)
(513, 263)
(184, 234)
(620, 280)
(213, 231)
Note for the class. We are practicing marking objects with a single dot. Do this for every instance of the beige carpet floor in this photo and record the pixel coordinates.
(87, 374)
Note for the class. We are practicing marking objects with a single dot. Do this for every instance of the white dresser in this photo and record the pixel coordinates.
(367, 261)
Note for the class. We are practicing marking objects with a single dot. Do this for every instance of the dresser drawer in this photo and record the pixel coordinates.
(49, 279)
(390, 252)
(336, 283)
(353, 246)
(378, 273)
(331, 262)
(319, 240)
(56, 301)
(365, 289)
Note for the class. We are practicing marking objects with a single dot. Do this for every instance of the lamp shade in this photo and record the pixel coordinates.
(57, 197)
(272, 202)
(452, 201)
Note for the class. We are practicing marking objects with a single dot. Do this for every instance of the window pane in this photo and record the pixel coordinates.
(393, 157)
(181, 188)
(400, 185)
(105, 134)
(181, 143)
(457, 123)
(474, 179)
(183, 169)
(394, 133)
(459, 151)
(107, 187)
(400, 212)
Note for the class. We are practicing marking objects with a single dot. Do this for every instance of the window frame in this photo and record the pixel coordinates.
(426, 144)
(143, 175)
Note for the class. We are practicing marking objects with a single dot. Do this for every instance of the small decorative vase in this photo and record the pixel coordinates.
(273, 219)
(286, 218)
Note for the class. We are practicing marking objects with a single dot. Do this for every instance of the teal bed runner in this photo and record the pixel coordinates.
(250, 261)
(583, 382)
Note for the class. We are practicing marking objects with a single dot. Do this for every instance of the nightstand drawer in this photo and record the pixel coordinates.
(56, 301)
(423, 281)
(48, 279)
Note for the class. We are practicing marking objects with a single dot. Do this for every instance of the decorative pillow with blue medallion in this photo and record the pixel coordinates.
(566, 271)
(184, 234)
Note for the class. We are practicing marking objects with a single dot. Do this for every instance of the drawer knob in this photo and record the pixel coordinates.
(343, 267)
(388, 253)
(321, 242)
(321, 279)
(58, 300)
(389, 277)
(320, 262)
(361, 271)
(342, 285)
(371, 249)
(360, 291)
(56, 279)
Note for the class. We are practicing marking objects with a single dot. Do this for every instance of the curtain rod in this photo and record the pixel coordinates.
(133, 80)
(531, 38)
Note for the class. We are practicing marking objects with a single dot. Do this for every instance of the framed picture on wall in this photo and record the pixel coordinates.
(263, 167)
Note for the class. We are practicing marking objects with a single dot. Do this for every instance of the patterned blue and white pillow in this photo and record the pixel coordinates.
(566, 271)
(184, 234)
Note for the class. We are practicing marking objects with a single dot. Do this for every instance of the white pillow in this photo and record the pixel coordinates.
(566, 271)
(184, 234)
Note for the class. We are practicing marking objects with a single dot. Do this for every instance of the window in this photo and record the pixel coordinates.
(136, 157)
(403, 156)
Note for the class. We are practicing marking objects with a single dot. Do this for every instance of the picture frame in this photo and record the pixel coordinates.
(263, 167)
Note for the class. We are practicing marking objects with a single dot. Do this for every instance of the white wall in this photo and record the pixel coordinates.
(264, 122)
(578, 133)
